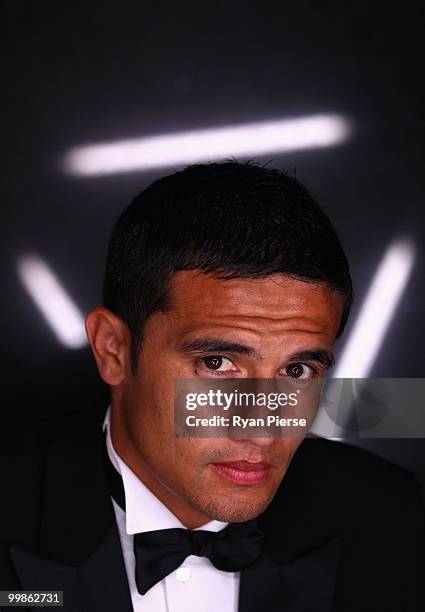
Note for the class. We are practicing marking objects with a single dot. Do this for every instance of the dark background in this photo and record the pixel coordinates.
(76, 73)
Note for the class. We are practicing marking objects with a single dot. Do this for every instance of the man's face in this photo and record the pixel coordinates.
(252, 328)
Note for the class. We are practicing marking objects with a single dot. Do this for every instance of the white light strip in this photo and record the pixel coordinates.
(207, 145)
(56, 306)
(381, 301)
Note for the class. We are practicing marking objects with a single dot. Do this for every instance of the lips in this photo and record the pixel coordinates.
(243, 472)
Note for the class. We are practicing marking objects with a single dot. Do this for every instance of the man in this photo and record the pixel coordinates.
(219, 271)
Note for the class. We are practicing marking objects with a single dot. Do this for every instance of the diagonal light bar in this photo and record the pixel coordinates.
(260, 138)
(52, 300)
(381, 301)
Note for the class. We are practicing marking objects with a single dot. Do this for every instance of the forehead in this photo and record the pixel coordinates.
(274, 303)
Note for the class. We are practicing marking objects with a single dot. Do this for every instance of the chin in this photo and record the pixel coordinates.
(232, 510)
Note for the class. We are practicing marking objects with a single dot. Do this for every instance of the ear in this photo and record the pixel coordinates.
(109, 338)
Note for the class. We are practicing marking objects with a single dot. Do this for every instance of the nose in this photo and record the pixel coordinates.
(268, 441)
(264, 442)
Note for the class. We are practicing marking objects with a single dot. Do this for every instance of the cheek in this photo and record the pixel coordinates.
(178, 463)
(188, 453)
(156, 431)
(157, 375)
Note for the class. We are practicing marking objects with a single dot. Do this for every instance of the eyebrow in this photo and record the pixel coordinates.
(217, 345)
(323, 356)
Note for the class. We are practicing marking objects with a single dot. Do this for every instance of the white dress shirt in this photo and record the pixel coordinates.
(196, 586)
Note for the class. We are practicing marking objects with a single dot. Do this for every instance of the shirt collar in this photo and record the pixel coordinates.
(144, 511)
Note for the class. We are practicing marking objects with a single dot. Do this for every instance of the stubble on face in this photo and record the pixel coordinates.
(210, 494)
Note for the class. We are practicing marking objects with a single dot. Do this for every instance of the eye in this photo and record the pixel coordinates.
(299, 370)
(217, 363)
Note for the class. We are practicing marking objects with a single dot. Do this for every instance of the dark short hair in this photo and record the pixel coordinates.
(236, 220)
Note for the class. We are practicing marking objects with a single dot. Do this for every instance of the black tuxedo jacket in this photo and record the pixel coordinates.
(345, 531)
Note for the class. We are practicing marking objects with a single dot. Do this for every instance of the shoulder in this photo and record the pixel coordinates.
(32, 437)
(348, 466)
(332, 486)
(352, 471)
(25, 447)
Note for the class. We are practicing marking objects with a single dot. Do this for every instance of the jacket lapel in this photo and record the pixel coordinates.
(39, 574)
(304, 584)
(98, 584)
(79, 550)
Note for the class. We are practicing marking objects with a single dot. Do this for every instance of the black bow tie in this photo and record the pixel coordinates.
(158, 553)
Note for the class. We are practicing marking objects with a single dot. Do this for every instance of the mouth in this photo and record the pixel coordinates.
(243, 472)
